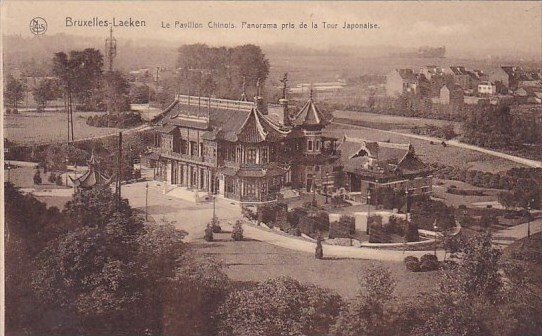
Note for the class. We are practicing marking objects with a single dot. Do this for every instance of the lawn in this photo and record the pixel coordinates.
(257, 261)
(439, 191)
(39, 128)
(431, 153)
(391, 122)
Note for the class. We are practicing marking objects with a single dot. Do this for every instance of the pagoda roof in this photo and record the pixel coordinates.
(309, 115)
(90, 179)
(222, 119)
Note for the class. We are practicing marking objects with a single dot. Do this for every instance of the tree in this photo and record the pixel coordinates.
(47, 89)
(281, 306)
(14, 91)
(95, 207)
(367, 313)
(79, 73)
(29, 226)
(115, 92)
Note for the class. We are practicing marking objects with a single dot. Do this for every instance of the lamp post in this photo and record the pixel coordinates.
(9, 172)
(146, 201)
(435, 228)
(67, 171)
(368, 208)
(529, 218)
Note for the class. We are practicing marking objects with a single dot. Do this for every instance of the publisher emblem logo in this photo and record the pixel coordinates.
(38, 26)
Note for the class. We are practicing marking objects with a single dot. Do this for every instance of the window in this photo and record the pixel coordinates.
(194, 148)
(309, 145)
(317, 145)
(264, 157)
(251, 155)
(250, 189)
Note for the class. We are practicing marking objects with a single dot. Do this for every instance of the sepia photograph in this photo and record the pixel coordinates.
(271, 168)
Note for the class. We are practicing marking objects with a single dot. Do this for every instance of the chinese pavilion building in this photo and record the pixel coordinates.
(243, 150)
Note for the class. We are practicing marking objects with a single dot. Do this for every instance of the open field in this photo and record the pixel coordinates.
(39, 128)
(258, 261)
(439, 191)
(392, 122)
(436, 153)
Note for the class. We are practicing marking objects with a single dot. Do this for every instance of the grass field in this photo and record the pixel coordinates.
(436, 153)
(258, 261)
(392, 122)
(38, 128)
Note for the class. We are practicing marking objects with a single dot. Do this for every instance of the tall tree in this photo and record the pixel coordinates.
(115, 90)
(14, 91)
(47, 89)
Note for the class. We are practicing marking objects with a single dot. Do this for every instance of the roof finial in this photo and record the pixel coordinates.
(258, 86)
(244, 94)
(284, 82)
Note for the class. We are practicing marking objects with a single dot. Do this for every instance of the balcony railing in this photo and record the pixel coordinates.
(252, 198)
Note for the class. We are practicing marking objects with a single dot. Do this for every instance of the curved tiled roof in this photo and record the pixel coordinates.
(309, 115)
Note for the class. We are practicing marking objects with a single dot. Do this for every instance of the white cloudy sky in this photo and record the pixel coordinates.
(458, 25)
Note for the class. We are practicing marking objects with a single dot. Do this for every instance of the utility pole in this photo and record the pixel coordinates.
(110, 48)
(146, 201)
(119, 170)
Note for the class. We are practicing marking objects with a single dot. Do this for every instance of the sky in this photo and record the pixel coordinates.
(460, 26)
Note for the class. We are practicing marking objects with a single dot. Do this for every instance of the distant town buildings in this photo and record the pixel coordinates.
(457, 86)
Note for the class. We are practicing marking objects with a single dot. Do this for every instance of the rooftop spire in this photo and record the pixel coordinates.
(258, 86)
(284, 82)
(311, 92)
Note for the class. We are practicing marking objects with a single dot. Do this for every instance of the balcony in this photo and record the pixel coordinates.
(252, 198)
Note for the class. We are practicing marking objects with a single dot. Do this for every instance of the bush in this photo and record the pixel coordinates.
(429, 262)
(413, 266)
(411, 258)
(237, 232)
(344, 228)
(294, 231)
(37, 177)
(52, 178)
(215, 224)
(208, 236)
(411, 232)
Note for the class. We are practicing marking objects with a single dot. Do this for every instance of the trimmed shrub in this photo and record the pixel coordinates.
(37, 177)
(52, 178)
(413, 266)
(237, 232)
(208, 235)
(344, 228)
(319, 253)
(215, 224)
(411, 258)
(411, 232)
(429, 262)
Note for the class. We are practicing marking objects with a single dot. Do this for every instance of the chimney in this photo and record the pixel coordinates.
(285, 114)
(258, 101)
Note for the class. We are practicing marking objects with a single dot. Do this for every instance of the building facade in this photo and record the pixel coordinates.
(242, 150)
(369, 166)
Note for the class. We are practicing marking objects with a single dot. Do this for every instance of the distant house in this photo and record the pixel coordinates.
(450, 94)
(518, 77)
(461, 77)
(371, 165)
(431, 70)
(487, 88)
(401, 81)
(528, 95)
